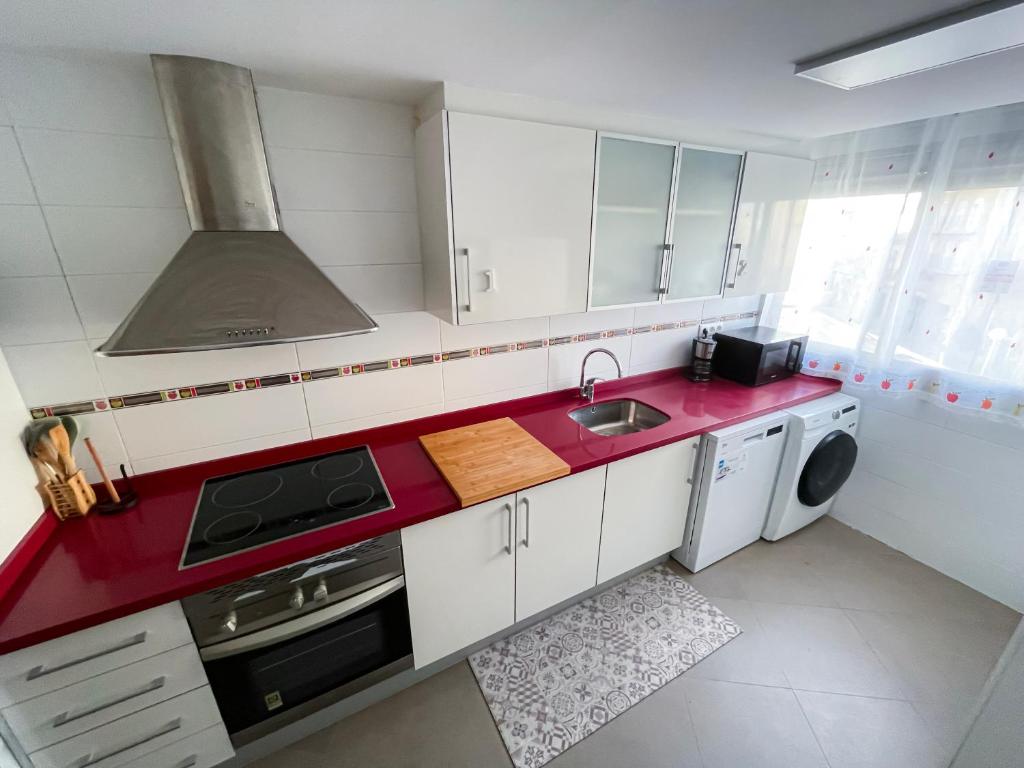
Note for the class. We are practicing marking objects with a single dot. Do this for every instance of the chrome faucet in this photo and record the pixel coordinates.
(587, 386)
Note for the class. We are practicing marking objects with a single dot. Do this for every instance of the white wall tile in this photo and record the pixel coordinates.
(564, 361)
(400, 334)
(104, 301)
(101, 429)
(310, 180)
(313, 121)
(35, 310)
(340, 238)
(94, 240)
(209, 453)
(79, 95)
(143, 373)
(668, 313)
(379, 288)
(50, 374)
(352, 397)
(99, 169)
(461, 403)
(495, 373)
(455, 337)
(25, 248)
(587, 322)
(375, 420)
(158, 430)
(662, 349)
(15, 186)
(731, 306)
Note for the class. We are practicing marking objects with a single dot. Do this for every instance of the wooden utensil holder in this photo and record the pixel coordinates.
(73, 498)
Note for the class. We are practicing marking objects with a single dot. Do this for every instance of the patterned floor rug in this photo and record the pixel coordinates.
(555, 683)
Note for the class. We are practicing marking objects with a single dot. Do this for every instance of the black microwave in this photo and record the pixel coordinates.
(757, 355)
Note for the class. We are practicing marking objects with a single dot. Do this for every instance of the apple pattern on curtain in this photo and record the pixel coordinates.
(908, 275)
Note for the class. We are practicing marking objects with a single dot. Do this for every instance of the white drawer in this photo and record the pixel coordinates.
(59, 715)
(48, 666)
(203, 750)
(126, 740)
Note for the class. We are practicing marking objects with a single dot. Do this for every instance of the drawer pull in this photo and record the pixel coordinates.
(189, 762)
(42, 670)
(91, 759)
(66, 717)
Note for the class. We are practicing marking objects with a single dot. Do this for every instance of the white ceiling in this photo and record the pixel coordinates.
(726, 63)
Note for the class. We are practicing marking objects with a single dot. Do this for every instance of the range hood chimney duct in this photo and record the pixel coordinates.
(238, 280)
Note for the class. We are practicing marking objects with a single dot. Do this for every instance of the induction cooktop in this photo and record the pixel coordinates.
(246, 510)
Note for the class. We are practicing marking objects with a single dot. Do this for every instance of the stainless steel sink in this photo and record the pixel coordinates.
(618, 417)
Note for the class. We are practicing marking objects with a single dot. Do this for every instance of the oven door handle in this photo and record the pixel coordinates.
(312, 620)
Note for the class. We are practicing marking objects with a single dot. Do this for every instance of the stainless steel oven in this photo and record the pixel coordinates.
(283, 644)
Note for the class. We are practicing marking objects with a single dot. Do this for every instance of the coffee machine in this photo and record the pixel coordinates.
(703, 349)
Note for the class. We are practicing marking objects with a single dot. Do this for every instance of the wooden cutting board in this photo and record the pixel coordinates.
(487, 460)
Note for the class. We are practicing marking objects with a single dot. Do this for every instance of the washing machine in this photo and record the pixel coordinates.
(818, 458)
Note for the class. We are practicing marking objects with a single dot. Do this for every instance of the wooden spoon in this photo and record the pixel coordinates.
(46, 452)
(61, 441)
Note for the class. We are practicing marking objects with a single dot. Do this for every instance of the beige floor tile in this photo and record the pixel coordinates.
(857, 732)
(750, 725)
(821, 650)
(749, 658)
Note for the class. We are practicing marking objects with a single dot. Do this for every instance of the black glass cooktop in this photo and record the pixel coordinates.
(249, 509)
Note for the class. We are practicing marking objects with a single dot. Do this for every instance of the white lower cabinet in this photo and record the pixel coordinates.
(559, 532)
(477, 571)
(201, 750)
(460, 574)
(645, 506)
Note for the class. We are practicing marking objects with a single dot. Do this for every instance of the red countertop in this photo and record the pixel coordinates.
(97, 568)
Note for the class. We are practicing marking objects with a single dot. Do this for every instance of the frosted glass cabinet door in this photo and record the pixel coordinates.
(705, 199)
(634, 189)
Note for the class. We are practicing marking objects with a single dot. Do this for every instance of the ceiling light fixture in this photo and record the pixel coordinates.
(988, 27)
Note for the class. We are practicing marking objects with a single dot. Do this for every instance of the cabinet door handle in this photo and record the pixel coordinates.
(492, 280)
(469, 281)
(42, 670)
(92, 758)
(67, 717)
(189, 762)
(735, 265)
(526, 538)
(665, 269)
(508, 528)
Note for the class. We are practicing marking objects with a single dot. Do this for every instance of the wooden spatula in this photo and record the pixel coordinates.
(62, 443)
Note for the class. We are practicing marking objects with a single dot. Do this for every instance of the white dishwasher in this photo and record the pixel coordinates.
(734, 478)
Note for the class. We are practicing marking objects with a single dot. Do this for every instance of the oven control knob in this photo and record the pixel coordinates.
(298, 599)
(320, 593)
(230, 623)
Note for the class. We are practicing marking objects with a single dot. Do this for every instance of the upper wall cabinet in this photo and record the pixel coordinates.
(663, 216)
(769, 216)
(505, 214)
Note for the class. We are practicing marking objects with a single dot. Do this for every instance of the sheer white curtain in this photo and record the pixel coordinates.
(908, 276)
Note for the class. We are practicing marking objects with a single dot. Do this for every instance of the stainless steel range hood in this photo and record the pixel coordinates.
(238, 280)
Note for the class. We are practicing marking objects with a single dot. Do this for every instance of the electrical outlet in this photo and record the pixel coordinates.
(711, 328)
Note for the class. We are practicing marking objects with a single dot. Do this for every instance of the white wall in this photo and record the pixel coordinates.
(21, 504)
(91, 210)
(944, 487)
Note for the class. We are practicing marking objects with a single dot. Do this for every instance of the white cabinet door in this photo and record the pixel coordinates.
(521, 196)
(645, 505)
(558, 535)
(460, 572)
(770, 213)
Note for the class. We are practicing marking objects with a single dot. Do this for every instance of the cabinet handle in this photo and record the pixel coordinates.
(42, 670)
(66, 717)
(91, 759)
(736, 271)
(526, 538)
(665, 271)
(492, 280)
(508, 529)
(189, 762)
(469, 282)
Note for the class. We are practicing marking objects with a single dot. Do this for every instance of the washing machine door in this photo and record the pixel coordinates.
(827, 468)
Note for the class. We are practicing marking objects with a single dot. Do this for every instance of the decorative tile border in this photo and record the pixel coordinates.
(355, 369)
